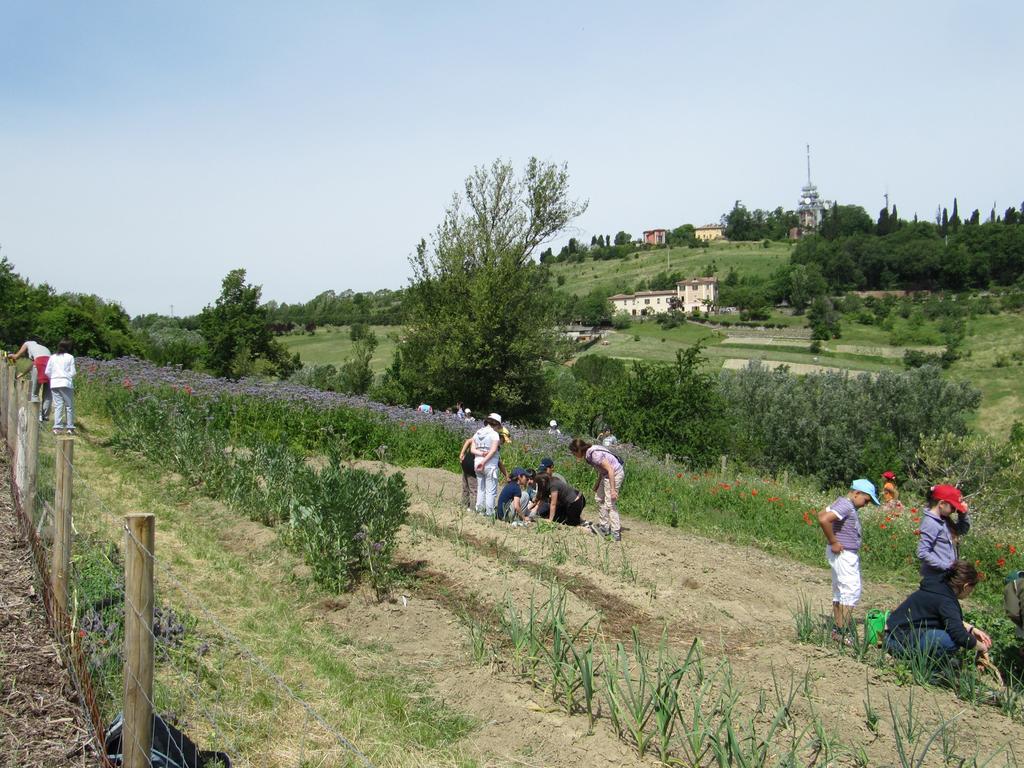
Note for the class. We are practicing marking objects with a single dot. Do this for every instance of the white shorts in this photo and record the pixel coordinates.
(845, 576)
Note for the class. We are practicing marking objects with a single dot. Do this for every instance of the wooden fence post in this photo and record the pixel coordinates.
(24, 395)
(28, 495)
(137, 736)
(3, 397)
(61, 564)
(12, 406)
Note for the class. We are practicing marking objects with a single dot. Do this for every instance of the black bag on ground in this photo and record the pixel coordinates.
(171, 747)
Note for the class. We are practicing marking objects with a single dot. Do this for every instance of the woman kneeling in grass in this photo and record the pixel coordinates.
(931, 621)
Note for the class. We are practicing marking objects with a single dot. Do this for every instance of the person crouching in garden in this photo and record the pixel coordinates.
(931, 621)
(610, 476)
(486, 447)
(840, 522)
(940, 534)
(515, 497)
(558, 501)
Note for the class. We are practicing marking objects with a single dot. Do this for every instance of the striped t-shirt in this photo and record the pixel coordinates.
(847, 527)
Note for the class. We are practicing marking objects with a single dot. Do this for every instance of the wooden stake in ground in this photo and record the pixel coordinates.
(22, 438)
(137, 736)
(28, 496)
(12, 409)
(61, 564)
(3, 396)
(12, 405)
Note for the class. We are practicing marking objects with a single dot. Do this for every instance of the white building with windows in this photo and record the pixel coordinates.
(696, 294)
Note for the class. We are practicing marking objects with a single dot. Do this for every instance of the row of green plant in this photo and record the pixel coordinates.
(960, 675)
(688, 711)
(343, 520)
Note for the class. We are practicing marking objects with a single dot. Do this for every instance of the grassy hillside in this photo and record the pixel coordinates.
(332, 345)
(993, 351)
(619, 275)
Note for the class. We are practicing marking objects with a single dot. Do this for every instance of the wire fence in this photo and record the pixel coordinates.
(161, 650)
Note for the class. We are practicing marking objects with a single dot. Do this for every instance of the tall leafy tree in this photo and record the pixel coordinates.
(236, 332)
(480, 312)
(20, 304)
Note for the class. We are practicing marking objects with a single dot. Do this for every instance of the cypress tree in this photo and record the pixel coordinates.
(954, 220)
(944, 224)
(882, 227)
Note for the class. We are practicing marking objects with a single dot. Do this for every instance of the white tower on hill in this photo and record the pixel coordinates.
(811, 207)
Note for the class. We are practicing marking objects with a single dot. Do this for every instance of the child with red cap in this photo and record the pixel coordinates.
(890, 493)
(940, 534)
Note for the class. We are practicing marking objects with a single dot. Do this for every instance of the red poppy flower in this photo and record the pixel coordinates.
(1001, 562)
(917, 532)
(883, 526)
(679, 475)
(913, 510)
(1013, 550)
(754, 492)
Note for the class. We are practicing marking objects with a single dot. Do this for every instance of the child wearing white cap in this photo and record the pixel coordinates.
(840, 523)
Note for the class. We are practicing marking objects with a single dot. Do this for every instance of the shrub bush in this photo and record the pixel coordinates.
(244, 452)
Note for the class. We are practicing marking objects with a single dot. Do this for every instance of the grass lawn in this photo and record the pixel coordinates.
(648, 341)
(331, 344)
(619, 275)
(993, 361)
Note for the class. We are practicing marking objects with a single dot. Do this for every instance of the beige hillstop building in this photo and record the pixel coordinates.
(710, 232)
(696, 294)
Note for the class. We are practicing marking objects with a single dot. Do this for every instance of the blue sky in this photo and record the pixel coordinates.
(148, 148)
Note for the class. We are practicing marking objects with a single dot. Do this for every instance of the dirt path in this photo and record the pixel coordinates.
(738, 600)
(41, 726)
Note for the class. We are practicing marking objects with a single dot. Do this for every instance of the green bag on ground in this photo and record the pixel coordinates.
(874, 625)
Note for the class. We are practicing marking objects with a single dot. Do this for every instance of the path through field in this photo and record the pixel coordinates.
(738, 600)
